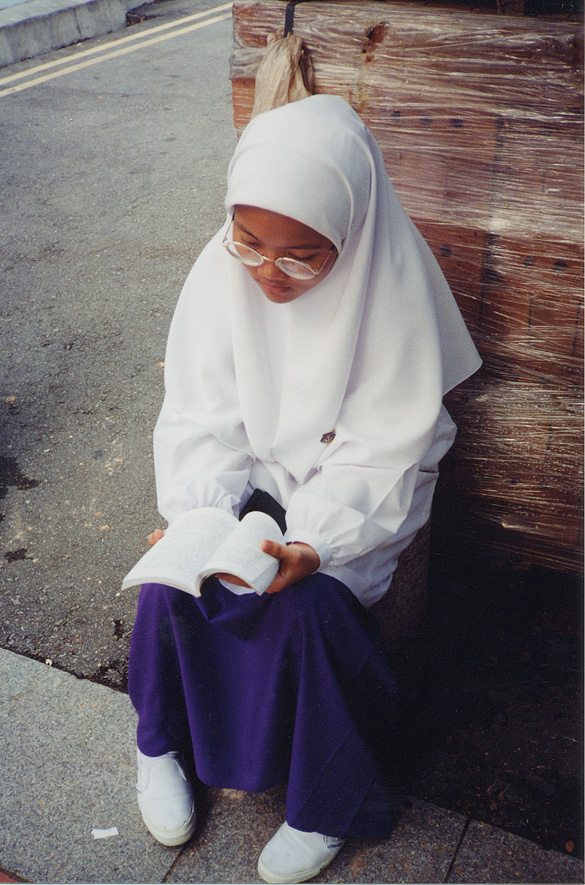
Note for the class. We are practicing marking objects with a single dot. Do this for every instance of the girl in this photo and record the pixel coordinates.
(308, 356)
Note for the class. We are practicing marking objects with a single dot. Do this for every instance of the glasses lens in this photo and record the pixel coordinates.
(290, 266)
(244, 253)
(297, 269)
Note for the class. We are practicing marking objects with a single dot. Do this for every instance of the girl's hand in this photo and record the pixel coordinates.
(231, 579)
(297, 561)
(155, 536)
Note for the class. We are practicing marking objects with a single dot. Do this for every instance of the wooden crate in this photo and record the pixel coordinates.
(479, 118)
(531, 311)
(518, 458)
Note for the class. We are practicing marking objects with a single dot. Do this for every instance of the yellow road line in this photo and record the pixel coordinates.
(138, 35)
(80, 60)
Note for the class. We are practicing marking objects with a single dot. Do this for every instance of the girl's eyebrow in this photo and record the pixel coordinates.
(253, 236)
(243, 229)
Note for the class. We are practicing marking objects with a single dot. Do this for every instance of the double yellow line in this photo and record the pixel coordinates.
(85, 58)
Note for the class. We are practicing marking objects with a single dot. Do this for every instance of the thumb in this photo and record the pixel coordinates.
(274, 549)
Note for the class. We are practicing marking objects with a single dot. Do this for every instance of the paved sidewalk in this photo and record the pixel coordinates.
(34, 27)
(67, 767)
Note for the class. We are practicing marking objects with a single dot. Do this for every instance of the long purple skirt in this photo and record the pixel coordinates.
(290, 688)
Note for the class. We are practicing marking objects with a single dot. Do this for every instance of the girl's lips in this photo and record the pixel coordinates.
(275, 290)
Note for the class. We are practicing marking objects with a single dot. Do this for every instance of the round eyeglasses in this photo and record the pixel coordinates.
(299, 270)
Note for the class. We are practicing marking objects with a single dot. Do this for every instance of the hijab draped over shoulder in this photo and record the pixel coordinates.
(362, 359)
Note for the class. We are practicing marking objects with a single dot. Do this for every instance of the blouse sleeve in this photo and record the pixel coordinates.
(194, 468)
(346, 510)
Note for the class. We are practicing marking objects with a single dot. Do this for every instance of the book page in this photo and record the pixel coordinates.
(241, 555)
(184, 550)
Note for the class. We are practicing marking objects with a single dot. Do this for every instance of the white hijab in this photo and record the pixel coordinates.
(367, 353)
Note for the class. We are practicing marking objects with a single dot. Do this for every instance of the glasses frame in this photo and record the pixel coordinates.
(310, 274)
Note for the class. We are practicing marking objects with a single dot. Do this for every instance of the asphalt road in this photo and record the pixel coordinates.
(111, 181)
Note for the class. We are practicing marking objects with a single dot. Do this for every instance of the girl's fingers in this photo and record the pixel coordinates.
(274, 548)
(231, 579)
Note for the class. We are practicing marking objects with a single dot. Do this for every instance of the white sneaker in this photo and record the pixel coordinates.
(165, 798)
(294, 856)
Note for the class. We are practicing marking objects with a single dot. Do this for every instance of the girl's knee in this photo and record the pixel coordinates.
(163, 595)
(318, 597)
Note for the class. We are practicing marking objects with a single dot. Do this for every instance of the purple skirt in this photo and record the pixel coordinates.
(290, 688)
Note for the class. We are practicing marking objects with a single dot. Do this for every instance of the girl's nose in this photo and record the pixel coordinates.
(269, 271)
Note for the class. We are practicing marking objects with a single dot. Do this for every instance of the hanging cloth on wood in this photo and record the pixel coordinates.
(285, 73)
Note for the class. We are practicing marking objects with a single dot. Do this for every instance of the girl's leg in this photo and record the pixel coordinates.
(342, 731)
(165, 793)
(344, 716)
(154, 677)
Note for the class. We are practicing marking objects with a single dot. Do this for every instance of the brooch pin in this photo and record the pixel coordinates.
(328, 437)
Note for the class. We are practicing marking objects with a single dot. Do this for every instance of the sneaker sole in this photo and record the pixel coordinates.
(302, 876)
(172, 838)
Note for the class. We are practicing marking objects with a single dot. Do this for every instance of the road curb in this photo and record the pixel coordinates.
(38, 26)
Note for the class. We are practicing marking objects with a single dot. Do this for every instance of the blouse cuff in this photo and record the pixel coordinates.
(317, 542)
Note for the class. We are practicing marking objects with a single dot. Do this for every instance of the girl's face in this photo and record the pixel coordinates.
(277, 236)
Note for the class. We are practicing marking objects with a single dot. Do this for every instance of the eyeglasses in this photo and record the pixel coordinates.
(299, 270)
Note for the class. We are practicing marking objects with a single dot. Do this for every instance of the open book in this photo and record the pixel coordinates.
(203, 542)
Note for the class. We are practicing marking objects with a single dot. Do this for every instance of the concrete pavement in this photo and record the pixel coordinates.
(67, 768)
(34, 27)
